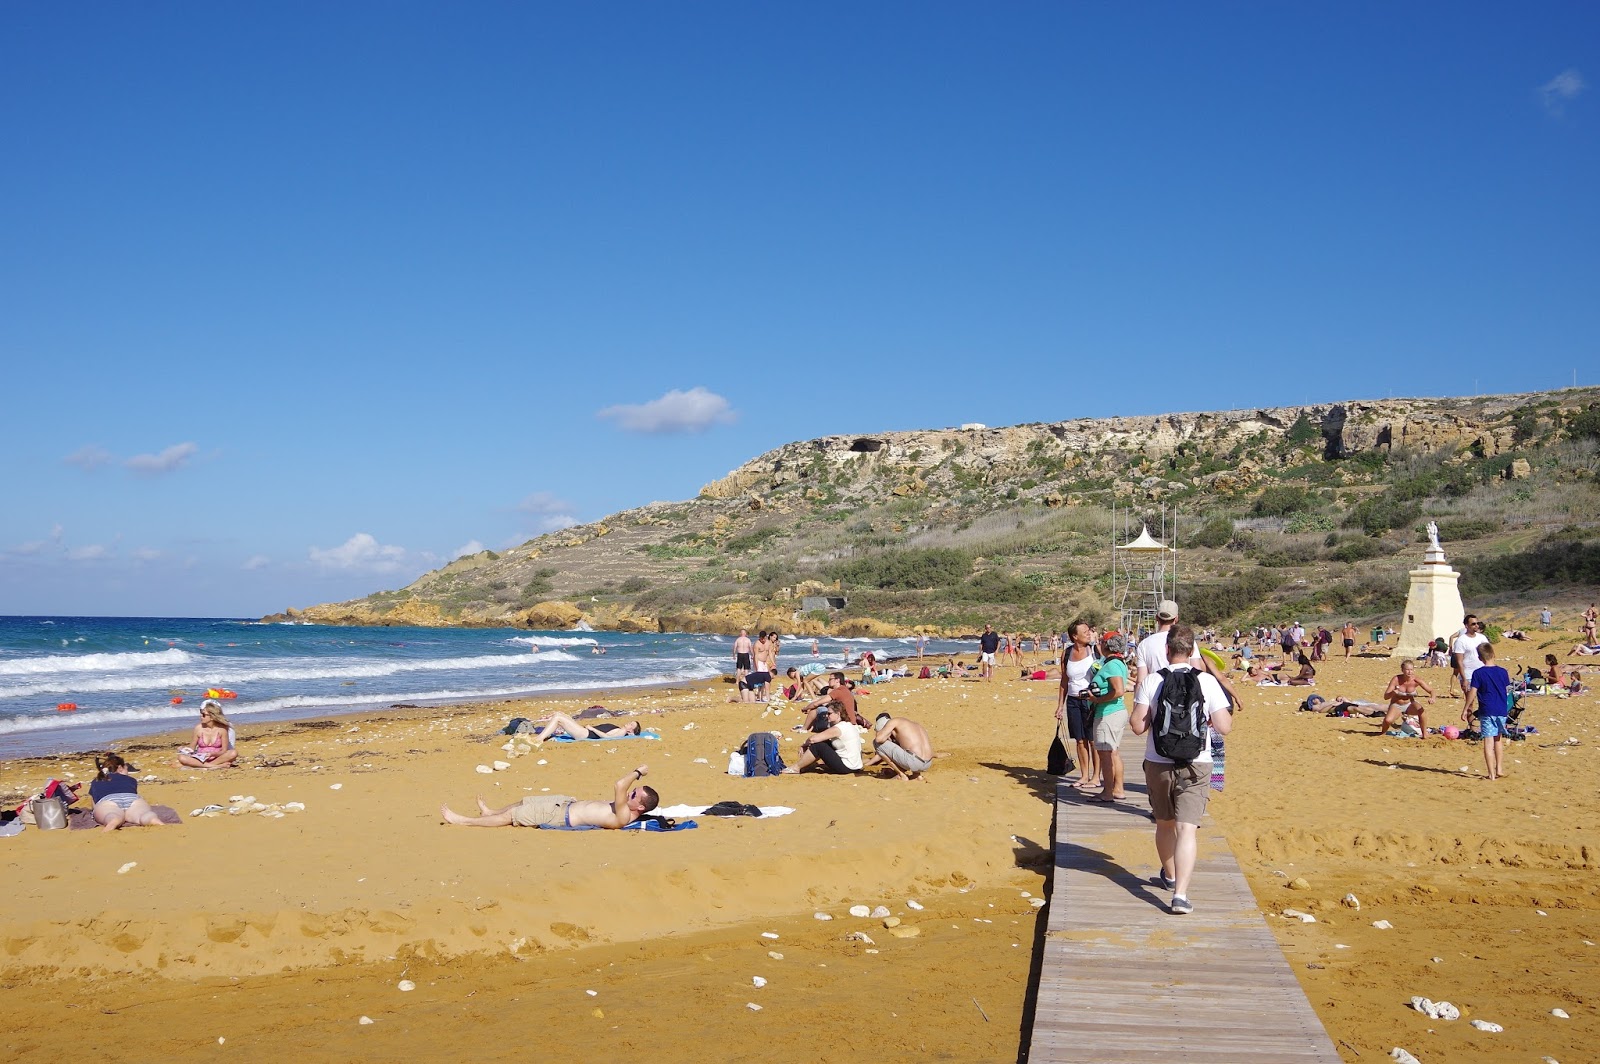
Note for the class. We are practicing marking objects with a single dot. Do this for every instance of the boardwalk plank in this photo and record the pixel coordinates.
(1123, 980)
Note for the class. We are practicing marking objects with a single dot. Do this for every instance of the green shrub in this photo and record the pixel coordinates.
(905, 569)
(1280, 500)
(995, 586)
(1358, 550)
(1547, 565)
(633, 585)
(1215, 603)
(1466, 528)
(1304, 522)
(1381, 513)
(1216, 532)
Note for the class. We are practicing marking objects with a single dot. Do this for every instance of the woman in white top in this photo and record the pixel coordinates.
(1074, 710)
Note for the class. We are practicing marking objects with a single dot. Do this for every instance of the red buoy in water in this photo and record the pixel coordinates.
(66, 707)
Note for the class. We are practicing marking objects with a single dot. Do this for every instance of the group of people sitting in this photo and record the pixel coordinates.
(835, 737)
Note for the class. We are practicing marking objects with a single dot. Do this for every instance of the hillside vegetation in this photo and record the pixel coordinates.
(1314, 511)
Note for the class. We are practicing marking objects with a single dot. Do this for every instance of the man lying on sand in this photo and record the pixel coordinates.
(628, 804)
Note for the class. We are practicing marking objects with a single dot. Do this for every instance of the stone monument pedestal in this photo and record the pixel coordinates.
(1433, 605)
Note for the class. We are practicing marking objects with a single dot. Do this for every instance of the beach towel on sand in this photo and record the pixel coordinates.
(651, 824)
(83, 819)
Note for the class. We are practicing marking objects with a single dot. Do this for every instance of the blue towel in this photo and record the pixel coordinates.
(565, 738)
(637, 825)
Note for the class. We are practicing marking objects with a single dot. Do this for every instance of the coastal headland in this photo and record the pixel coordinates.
(278, 934)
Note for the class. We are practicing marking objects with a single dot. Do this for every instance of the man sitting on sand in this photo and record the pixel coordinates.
(841, 693)
(903, 745)
(578, 730)
(559, 811)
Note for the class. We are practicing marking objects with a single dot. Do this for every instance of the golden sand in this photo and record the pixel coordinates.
(279, 934)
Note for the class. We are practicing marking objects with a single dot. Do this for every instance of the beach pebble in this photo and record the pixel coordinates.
(294, 807)
(592, 993)
(880, 912)
(892, 921)
(1350, 901)
(769, 934)
(1025, 894)
(485, 769)
(1299, 883)
(1541, 912)
(700, 761)
(1438, 960)
(1485, 1025)
(1560, 1014)
(752, 1006)
(335, 786)
(757, 981)
(912, 903)
(905, 932)
(1280, 875)
(860, 910)
(821, 916)
(860, 936)
(1382, 925)
(1436, 1010)
(237, 798)
(1296, 914)
(501, 766)
(129, 867)
(1402, 1056)
(541, 761)
(363, 1021)
(405, 986)
(774, 954)
(221, 1040)
(1037, 903)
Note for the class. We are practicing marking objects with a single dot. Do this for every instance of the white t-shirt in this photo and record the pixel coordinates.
(1215, 700)
(1151, 655)
(1077, 673)
(1467, 646)
(848, 745)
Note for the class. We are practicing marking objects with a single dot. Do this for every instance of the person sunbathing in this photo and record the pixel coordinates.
(116, 796)
(564, 724)
(213, 740)
(1402, 696)
(628, 803)
(1584, 650)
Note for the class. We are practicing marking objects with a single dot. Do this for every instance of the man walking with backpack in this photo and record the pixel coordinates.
(1177, 708)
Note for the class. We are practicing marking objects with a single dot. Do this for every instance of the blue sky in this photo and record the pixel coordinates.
(299, 300)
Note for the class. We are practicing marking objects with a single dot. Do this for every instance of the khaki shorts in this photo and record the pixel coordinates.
(542, 811)
(1109, 728)
(1178, 793)
(901, 756)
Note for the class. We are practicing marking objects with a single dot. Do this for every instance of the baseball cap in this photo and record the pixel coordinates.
(1167, 611)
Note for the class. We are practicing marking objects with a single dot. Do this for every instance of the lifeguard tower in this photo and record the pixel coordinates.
(1144, 571)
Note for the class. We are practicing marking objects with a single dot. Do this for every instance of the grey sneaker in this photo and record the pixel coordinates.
(1161, 880)
(1181, 906)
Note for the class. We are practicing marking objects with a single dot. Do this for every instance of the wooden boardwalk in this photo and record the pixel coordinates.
(1122, 979)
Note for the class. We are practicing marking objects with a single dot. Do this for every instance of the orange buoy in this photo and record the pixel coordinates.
(177, 701)
(230, 694)
(66, 707)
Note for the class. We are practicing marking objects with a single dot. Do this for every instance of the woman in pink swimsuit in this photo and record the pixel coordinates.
(212, 748)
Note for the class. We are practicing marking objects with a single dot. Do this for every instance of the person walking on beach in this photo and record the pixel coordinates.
(1151, 655)
(1179, 787)
(1348, 635)
(1590, 616)
(1544, 616)
(628, 803)
(741, 655)
(988, 646)
(1106, 692)
(1488, 697)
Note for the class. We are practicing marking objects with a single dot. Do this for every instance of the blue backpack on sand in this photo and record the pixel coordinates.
(761, 757)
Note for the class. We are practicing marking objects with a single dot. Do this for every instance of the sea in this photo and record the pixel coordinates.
(70, 684)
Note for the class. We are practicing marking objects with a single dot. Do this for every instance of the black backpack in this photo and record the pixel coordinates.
(1179, 728)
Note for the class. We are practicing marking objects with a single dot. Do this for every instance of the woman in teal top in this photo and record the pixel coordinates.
(1106, 690)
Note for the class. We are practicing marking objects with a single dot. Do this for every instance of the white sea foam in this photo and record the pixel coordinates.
(552, 641)
(233, 674)
(75, 663)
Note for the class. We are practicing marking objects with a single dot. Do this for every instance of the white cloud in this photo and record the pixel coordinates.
(89, 552)
(549, 512)
(1561, 88)
(89, 457)
(470, 547)
(256, 561)
(173, 458)
(692, 411)
(146, 554)
(361, 553)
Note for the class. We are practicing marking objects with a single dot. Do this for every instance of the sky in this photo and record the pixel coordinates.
(301, 300)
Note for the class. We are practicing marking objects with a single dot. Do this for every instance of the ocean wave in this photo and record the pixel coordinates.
(552, 641)
(161, 715)
(228, 674)
(71, 663)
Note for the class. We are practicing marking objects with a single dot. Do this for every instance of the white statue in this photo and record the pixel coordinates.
(1433, 536)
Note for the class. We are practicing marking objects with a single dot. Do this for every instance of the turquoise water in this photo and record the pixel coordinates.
(123, 673)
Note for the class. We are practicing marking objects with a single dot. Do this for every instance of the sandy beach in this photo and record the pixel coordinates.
(279, 934)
